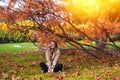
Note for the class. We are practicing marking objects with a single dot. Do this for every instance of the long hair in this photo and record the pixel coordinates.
(56, 46)
(54, 49)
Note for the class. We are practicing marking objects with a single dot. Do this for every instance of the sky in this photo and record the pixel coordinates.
(4, 3)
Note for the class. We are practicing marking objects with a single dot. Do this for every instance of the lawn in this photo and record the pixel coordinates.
(17, 47)
(20, 61)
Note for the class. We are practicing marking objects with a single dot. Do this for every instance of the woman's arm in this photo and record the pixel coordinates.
(47, 55)
(56, 58)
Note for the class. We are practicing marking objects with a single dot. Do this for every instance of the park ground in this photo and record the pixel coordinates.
(20, 61)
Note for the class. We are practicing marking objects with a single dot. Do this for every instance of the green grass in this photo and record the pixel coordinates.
(17, 47)
(109, 46)
(117, 43)
(23, 62)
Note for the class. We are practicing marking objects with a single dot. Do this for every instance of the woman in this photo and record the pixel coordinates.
(52, 55)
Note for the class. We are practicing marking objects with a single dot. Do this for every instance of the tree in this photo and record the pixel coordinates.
(58, 20)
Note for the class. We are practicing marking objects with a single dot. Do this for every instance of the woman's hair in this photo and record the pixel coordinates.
(55, 43)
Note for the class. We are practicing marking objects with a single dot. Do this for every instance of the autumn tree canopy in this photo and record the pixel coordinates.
(76, 22)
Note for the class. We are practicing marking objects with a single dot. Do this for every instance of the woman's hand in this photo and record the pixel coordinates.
(50, 69)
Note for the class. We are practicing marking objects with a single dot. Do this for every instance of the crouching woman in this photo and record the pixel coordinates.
(52, 55)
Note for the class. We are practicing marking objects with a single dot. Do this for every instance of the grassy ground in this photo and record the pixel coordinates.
(22, 63)
(17, 47)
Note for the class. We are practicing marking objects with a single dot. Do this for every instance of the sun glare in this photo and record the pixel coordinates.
(92, 7)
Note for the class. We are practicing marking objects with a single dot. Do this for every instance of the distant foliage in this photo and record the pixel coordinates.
(11, 37)
(11, 34)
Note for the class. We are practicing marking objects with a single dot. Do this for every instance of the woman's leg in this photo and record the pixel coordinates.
(44, 67)
(58, 67)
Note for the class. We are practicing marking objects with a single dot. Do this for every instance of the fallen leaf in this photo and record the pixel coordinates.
(76, 73)
(4, 75)
(33, 63)
(116, 78)
(108, 72)
(65, 66)
(14, 78)
(13, 71)
(100, 77)
(61, 77)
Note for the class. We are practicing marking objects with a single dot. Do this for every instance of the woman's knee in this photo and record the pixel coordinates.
(59, 65)
(41, 63)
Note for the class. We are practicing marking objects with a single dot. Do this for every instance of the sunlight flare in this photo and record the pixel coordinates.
(92, 8)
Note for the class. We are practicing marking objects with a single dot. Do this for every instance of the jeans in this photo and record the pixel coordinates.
(44, 68)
